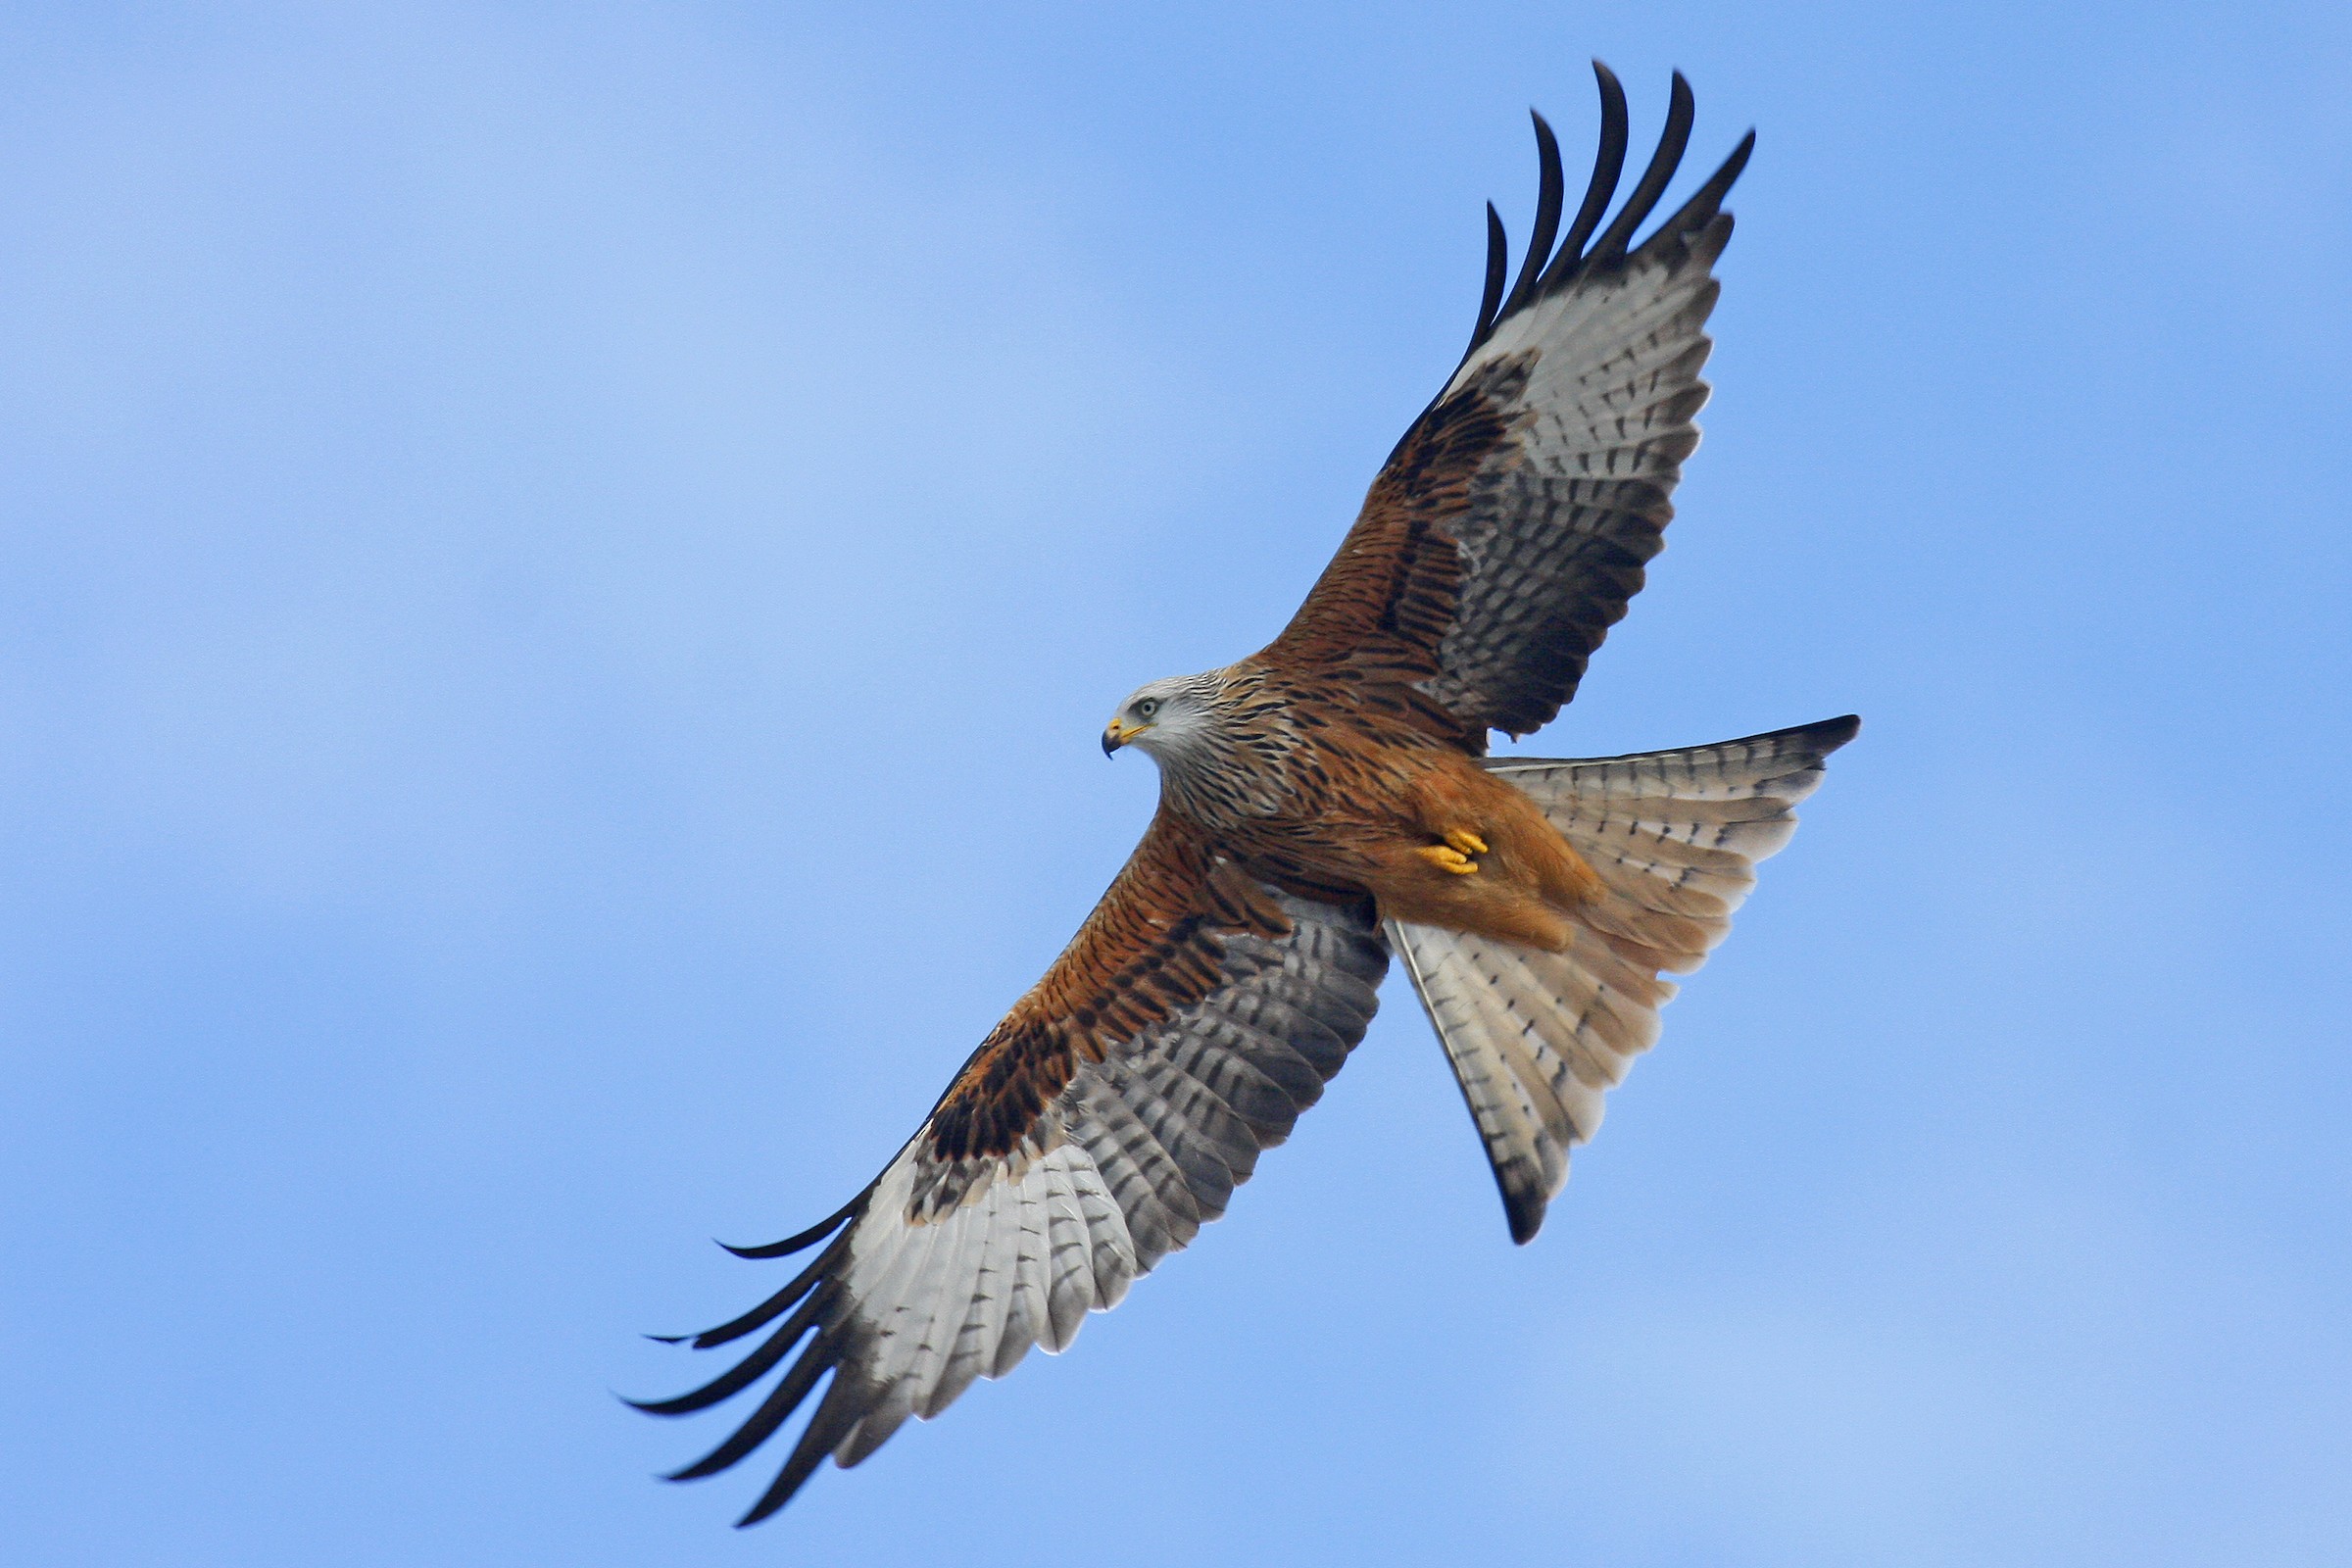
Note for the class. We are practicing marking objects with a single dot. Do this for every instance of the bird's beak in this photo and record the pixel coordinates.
(1118, 733)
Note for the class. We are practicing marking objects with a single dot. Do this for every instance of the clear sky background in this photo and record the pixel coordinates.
(560, 568)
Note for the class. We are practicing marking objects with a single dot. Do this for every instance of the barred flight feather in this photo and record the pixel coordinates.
(914, 1302)
(1536, 1038)
(1513, 521)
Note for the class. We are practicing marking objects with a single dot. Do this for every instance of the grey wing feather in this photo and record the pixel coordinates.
(1126, 1163)
(1597, 380)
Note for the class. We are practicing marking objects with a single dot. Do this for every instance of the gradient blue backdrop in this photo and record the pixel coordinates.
(560, 570)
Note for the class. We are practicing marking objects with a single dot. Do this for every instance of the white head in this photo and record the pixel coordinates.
(1168, 719)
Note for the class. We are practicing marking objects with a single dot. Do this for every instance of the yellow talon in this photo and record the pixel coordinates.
(1446, 858)
(1467, 842)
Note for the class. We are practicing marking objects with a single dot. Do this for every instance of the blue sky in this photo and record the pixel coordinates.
(560, 572)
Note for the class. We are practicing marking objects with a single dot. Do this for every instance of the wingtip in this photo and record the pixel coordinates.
(1497, 261)
(1681, 113)
(1737, 161)
(805, 1239)
(1836, 732)
(646, 1406)
(1523, 1211)
(1550, 191)
(1680, 102)
(786, 1486)
(1609, 164)
(1821, 737)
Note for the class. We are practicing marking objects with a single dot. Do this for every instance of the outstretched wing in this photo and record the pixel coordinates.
(1111, 1116)
(1513, 522)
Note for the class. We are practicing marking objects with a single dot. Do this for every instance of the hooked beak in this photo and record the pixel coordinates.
(1118, 733)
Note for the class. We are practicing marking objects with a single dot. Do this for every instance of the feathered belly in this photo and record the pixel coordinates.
(1430, 836)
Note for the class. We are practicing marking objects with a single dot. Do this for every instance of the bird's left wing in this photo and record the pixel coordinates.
(1112, 1113)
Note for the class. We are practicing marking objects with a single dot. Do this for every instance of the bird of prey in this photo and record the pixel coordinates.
(1325, 803)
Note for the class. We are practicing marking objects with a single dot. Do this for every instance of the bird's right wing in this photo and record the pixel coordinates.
(1510, 525)
(1111, 1114)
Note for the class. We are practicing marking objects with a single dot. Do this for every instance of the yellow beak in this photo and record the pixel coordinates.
(1118, 733)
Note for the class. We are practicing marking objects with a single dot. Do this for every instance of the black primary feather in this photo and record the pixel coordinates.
(1498, 259)
(1607, 165)
(807, 1238)
(1550, 189)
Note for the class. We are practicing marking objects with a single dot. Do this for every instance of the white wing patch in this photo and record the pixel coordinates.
(1020, 1262)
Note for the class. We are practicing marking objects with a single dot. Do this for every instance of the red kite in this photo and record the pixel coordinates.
(1324, 803)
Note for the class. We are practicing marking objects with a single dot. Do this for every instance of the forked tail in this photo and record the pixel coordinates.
(1537, 1038)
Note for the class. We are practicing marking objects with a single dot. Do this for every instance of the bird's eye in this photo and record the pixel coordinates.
(1146, 707)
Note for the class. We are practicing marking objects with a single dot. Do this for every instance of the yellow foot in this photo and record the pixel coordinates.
(1467, 842)
(1447, 859)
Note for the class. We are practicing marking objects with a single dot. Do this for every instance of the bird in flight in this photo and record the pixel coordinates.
(1325, 803)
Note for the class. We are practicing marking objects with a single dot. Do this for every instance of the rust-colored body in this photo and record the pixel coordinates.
(1370, 805)
(1519, 890)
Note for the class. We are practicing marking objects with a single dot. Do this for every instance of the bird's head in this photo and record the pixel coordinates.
(1165, 719)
